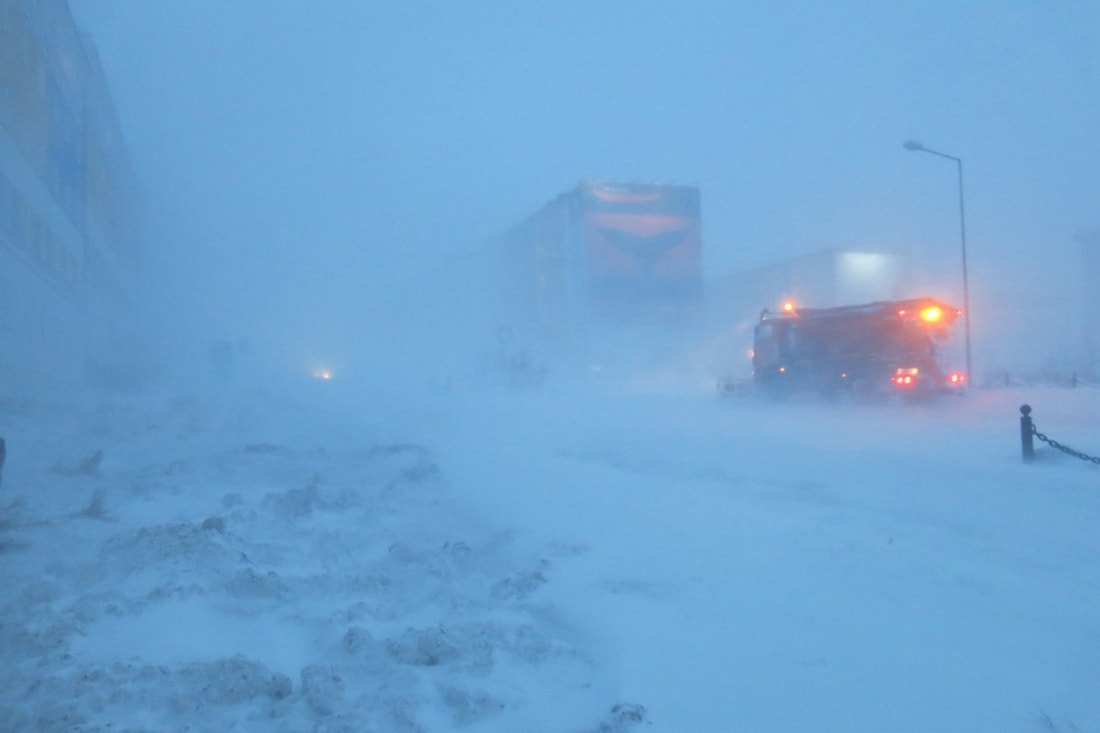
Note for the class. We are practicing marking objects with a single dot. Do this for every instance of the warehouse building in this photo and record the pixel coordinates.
(69, 252)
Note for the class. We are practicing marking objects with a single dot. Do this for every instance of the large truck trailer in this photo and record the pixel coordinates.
(603, 255)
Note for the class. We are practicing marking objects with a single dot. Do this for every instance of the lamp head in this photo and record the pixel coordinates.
(912, 145)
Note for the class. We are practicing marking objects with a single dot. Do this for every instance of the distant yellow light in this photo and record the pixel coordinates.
(788, 306)
(322, 374)
(931, 314)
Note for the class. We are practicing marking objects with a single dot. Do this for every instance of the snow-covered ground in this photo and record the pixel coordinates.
(577, 561)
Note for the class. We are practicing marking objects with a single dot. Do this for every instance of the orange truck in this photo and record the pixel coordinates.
(869, 350)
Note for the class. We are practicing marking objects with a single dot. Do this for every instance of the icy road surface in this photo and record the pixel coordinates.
(548, 561)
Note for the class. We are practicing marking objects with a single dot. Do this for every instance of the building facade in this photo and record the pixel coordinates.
(69, 258)
(823, 279)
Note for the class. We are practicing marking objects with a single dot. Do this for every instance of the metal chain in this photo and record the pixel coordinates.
(1064, 448)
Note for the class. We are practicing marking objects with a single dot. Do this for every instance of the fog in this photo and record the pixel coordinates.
(349, 496)
(311, 170)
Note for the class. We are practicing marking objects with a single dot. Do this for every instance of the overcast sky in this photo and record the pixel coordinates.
(321, 144)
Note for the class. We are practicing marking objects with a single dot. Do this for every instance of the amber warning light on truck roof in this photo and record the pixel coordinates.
(931, 314)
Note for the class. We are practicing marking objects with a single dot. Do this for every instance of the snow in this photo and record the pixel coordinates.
(646, 557)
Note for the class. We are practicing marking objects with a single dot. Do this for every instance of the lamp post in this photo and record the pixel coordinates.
(914, 145)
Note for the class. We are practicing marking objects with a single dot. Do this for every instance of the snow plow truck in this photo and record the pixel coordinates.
(869, 351)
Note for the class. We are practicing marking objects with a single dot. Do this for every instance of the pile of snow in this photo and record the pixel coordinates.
(248, 566)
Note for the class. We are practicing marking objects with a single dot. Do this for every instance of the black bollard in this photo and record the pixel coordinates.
(1027, 432)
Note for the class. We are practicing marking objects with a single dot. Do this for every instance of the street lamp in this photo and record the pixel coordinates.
(914, 145)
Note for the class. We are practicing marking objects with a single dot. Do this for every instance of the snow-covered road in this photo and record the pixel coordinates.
(796, 567)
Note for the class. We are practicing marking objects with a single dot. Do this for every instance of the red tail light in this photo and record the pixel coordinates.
(956, 379)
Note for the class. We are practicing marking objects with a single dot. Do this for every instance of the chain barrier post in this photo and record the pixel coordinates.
(1027, 431)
